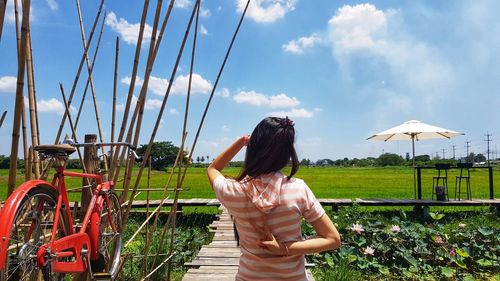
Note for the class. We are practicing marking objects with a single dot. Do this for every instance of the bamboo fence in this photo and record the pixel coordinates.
(131, 124)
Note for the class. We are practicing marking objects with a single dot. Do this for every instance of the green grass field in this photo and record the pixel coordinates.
(328, 182)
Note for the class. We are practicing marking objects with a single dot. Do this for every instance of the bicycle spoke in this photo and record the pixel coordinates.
(31, 229)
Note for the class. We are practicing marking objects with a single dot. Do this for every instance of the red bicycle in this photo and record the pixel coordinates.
(38, 238)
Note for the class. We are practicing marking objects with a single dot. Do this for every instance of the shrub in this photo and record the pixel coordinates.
(397, 247)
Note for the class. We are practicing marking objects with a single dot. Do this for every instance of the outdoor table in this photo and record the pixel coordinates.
(419, 178)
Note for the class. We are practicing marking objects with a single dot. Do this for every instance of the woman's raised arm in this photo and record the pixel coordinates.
(214, 169)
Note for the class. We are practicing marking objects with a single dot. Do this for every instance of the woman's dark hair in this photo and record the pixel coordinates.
(270, 148)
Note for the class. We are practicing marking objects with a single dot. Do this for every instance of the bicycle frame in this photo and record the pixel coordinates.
(66, 254)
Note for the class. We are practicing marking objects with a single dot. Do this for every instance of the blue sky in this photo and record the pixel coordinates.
(341, 70)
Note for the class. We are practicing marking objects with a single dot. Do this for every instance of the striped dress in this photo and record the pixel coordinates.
(269, 203)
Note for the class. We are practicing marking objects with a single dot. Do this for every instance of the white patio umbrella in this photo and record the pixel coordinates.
(414, 130)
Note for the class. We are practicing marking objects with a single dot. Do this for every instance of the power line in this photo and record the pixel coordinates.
(467, 146)
(453, 147)
(443, 153)
(488, 135)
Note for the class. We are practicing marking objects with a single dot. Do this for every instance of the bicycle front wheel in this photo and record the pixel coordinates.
(110, 235)
(31, 229)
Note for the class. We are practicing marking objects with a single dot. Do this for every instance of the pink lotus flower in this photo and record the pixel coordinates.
(358, 228)
(438, 240)
(395, 228)
(369, 251)
(452, 252)
(462, 225)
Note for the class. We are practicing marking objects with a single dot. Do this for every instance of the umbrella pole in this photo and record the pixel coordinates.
(414, 176)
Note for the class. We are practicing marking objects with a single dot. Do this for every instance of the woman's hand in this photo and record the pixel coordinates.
(246, 139)
(274, 246)
(214, 169)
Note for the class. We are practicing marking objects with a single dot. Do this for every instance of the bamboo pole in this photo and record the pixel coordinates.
(29, 162)
(3, 118)
(34, 96)
(184, 132)
(139, 108)
(158, 41)
(113, 112)
(91, 69)
(215, 86)
(146, 247)
(131, 88)
(3, 7)
(31, 99)
(27, 174)
(162, 108)
(19, 98)
(73, 131)
(80, 66)
(18, 32)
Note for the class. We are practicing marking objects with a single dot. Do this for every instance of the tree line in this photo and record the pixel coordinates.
(164, 154)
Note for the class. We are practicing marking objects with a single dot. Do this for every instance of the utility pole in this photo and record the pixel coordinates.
(467, 146)
(488, 135)
(453, 147)
(443, 153)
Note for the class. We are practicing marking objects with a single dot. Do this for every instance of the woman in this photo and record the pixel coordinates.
(268, 206)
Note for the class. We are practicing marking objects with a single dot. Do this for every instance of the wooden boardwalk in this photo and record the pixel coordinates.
(219, 259)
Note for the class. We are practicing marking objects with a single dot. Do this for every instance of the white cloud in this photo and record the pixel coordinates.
(358, 28)
(53, 5)
(198, 85)
(173, 111)
(51, 106)
(205, 13)
(128, 31)
(293, 113)
(225, 128)
(159, 85)
(150, 104)
(223, 93)
(153, 104)
(10, 13)
(258, 99)
(127, 80)
(8, 84)
(417, 71)
(203, 30)
(266, 11)
(300, 45)
(183, 4)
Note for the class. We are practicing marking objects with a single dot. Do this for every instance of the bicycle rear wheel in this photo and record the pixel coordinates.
(32, 228)
(110, 239)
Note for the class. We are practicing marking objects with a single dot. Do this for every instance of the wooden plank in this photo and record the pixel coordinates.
(221, 244)
(214, 269)
(219, 252)
(309, 274)
(214, 262)
(199, 202)
(204, 277)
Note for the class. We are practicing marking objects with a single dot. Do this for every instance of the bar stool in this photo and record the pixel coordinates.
(463, 176)
(441, 191)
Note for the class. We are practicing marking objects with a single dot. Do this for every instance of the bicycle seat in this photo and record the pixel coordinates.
(55, 149)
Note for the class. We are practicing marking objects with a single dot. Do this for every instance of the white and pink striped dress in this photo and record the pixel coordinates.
(268, 203)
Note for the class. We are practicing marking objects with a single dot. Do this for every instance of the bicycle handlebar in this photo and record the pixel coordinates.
(99, 144)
